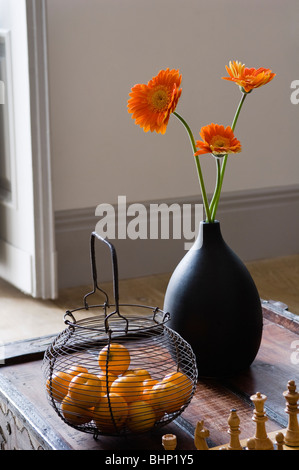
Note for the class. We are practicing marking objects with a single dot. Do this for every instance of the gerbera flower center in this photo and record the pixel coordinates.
(159, 98)
(218, 141)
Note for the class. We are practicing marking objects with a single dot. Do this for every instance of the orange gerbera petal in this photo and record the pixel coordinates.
(246, 78)
(217, 140)
(152, 104)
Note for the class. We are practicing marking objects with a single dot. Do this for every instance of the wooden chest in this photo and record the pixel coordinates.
(27, 421)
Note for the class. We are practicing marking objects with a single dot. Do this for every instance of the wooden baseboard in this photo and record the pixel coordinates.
(257, 224)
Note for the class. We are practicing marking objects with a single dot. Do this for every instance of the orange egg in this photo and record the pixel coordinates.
(85, 389)
(114, 358)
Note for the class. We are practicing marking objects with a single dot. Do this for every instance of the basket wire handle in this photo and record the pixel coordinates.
(95, 235)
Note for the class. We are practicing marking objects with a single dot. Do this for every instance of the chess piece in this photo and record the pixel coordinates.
(250, 444)
(262, 441)
(292, 432)
(169, 441)
(279, 438)
(234, 431)
(200, 436)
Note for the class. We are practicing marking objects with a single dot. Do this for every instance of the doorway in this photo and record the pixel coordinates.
(27, 236)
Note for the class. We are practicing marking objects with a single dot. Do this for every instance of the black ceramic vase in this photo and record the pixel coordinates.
(215, 306)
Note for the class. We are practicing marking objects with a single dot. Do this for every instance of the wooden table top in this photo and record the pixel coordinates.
(21, 385)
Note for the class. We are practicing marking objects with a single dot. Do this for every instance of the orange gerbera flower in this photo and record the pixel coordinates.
(152, 104)
(246, 78)
(217, 140)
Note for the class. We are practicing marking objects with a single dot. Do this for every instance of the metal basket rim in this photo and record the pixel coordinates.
(127, 317)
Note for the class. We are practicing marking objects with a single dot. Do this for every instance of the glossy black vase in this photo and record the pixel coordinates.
(215, 306)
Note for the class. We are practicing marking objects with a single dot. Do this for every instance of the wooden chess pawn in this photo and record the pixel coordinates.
(234, 431)
(292, 432)
(169, 441)
(279, 438)
(200, 436)
(262, 441)
(250, 444)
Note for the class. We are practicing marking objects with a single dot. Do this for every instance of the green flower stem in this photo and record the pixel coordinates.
(217, 186)
(218, 190)
(238, 111)
(203, 191)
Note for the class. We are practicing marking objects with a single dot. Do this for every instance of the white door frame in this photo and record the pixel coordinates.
(45, 268)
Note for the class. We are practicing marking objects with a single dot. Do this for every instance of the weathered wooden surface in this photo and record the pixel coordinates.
(22, 386)
(28, 421)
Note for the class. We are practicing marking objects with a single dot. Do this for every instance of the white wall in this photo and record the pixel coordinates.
(98, 49)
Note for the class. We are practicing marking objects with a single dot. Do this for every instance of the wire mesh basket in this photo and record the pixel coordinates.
(121, 370)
